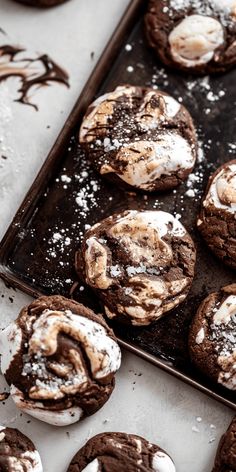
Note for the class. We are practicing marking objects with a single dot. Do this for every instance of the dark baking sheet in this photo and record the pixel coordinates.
(37, 253)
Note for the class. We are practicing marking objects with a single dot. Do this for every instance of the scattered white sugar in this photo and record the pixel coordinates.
(128, 47)
(212, 426)
(56, 237)
(190, 193)
(131, 270)
(195, 429)
(222, 8)
(81, 288)
(65, 178)
(199, 419)
(130, 69)
(87, 226)
(115, 270)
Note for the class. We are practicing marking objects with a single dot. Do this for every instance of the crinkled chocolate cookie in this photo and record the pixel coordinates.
(17, 452)
(225, 460)
(216, 221)
(212, 338)
(193, 35)
(113, 452)
(139, 138)
(59, 359)
(140, 263)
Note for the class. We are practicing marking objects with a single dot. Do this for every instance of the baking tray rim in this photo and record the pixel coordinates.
(32, 196)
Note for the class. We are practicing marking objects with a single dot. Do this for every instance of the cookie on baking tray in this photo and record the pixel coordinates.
(59, 359)
(112, 452)
(216, 221)
(139, 138)
(193, 35)
(17, 452)
(140, 263)
(212, 337)
(225, 460)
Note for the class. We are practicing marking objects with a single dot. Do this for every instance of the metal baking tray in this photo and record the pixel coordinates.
(37, 252)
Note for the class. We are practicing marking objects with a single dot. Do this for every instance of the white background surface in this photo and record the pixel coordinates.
(153, 404)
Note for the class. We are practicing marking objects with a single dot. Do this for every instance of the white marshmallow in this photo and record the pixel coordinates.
(219, 184)
(162, 463)
(146, 161)
(92, 467)
(37, 410)
(195, 39)
(28, 461)
(10, 345)
(226, 311)
(200, 336)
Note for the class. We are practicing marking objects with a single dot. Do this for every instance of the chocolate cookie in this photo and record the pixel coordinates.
(193, 35)
(139, 138)
(212, 338)
(141, 264)
(216, 221)
(42, 3)
(17, 452)
(225, 460)
(59, 359)
(112, 452)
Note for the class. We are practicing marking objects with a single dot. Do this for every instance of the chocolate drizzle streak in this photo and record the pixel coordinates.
(32, 72)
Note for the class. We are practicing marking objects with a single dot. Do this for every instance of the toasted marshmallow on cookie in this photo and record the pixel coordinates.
(212, 339)
(17, 452)
(123, 452)
(193, 35)
(216, 220)
(140, 264)
(140, 138)
(45, 358)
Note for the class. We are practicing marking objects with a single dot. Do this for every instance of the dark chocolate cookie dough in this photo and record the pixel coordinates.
(216, 221)
(113, 452)
(225, 460)
(59, 359)
(42, 3)
(139, 138)
(193, 35)
(140, 263)
(212, 338)
(17, 452)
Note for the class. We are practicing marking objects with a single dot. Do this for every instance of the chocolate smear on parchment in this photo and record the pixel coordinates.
(39, 71)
